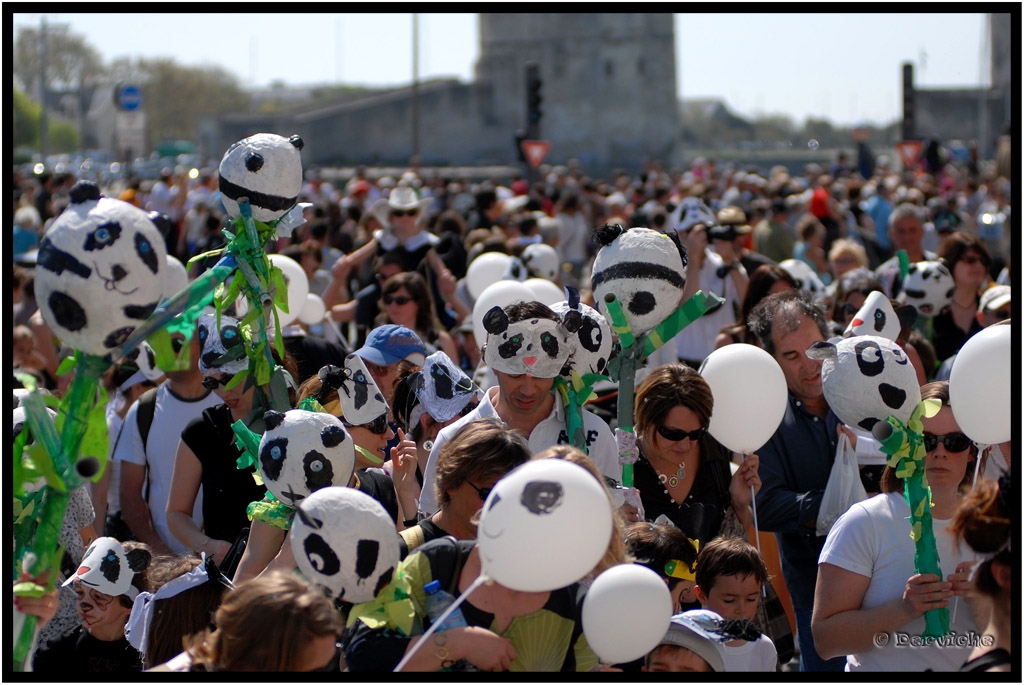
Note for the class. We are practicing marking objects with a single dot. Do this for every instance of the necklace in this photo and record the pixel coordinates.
(964, 306)
(672, 480)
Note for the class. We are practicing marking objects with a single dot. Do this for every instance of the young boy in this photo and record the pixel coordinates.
(729, 575)
(686, 647)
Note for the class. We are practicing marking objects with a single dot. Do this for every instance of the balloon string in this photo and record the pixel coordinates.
(480, 580)
(977, 463)
(757, 534)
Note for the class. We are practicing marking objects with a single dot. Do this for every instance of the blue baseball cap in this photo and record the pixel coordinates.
(390, 344)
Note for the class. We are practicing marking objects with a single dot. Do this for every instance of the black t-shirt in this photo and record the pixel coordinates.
(378, 485)
(79, 652)
(227, 490)
(947, 337)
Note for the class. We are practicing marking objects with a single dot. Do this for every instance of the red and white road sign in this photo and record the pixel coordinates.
(535, 151)
(910, 152)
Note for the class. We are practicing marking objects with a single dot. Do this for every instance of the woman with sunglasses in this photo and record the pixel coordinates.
(405, 300)
(869, 600)
(969, 261)
(682, 471)
(468, 466)
(207, 452)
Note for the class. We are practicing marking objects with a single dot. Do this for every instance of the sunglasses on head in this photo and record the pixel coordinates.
(404, 212)
(677, 434)
(481, 492)
(211, 383)
(401, 299)
(953, 442)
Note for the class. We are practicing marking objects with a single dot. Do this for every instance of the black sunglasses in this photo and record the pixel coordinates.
(954, 442)
(677, 435)
(211, 383)
(379, 426)
(1002, 314)
(401, 299)
(404, 212)
(482, 492)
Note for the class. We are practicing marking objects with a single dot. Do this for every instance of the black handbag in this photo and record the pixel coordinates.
(234, 555)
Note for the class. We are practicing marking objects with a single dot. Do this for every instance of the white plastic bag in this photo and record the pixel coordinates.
(844, 488)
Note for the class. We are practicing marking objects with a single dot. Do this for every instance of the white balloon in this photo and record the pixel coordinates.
(298, 286)
(626, 613)
(313, 311)
(545, 291)
(750, 396)
(175, 278)
(497, 294)
(979, 386)
(545, 525)
(486, 269)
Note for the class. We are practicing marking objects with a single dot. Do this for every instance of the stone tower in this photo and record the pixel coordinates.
(609, 83)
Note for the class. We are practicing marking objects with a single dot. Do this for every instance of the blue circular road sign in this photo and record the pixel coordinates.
(129, 97)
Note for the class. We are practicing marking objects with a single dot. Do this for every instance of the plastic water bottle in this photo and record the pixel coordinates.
(437, 601)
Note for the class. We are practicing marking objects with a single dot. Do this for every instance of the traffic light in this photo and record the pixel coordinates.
(909, 122)
(533, 96)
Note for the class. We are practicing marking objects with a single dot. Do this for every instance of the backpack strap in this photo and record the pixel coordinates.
(146, 411)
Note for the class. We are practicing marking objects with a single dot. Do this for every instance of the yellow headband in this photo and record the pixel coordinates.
(334, 407)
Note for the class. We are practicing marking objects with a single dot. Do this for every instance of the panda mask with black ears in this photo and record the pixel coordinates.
(536, 346)
(592, 341)
(100, 271)
(929, 287)
(265, 168)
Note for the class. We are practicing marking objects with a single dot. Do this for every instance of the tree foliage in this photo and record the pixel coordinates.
(71, 63)
(26, 120)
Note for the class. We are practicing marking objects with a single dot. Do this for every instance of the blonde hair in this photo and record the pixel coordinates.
(846, 246)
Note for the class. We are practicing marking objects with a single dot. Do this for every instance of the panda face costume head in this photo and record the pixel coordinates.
(345, 541)
(866, 379)
(359, 399)
(303, 451)
(592, 341)
(690, 212)
(536, 345)
(644, 269)
(267, 169)
(445, 390)
(929, 287)
(100, 271)
(222, 349)
(878, 317)
(107, 568)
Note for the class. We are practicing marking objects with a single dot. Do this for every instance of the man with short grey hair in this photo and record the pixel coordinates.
(906, 231)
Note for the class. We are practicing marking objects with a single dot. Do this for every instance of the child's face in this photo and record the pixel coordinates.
(102, 615)
(733, 597)
(673, 659)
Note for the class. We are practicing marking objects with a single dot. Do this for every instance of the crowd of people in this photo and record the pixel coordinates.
(209, 582)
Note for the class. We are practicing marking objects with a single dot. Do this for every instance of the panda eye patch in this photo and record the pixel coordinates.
(104, 236)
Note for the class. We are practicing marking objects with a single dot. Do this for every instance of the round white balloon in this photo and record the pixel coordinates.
(498, 294)
(980, 384)
(545, 291)
(298, 286)
(486, 269)
(545, 525)
(176, 277)
(313, 311)
(626, 613)
(750, 396)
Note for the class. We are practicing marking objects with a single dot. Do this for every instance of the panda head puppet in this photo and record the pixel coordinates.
(107, 568)
(866, 379)
(644, 269)
(592, 341)
(359, 399)
(265, 168)
(100, 271)
(878, 317)
(445, 390)
(928, 286)
(538, 346)
(222, 349)
(344, 541)
(303, 451)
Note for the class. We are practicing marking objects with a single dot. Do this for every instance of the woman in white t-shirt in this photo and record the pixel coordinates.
(869, 604)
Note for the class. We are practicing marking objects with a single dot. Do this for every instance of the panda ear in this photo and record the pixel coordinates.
(572, 321)
(138, 559)
(272, 419)
(943, 266)
(822, 350)
(907, 314)
(573, 297)
(605, 235)
(296, 141)
(83, 191)
(308, 520)
(163, 223)
(495, 320)
(674, 237)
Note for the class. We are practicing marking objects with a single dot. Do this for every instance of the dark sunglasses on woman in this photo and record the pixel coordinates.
(379, 426)
(399, 300)
(211, 383)
(953, 442)
(481, 492)
(678, 435)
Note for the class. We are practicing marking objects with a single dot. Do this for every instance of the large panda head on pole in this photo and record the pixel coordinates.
(265, 168)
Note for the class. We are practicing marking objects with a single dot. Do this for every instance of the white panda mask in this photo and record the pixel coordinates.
(805, 277)
(267, 169)
(106, 568)
(345, 541)
(877, 317)
(690, 212)
(644, 269)
(929, 287)
(222, 349)
(592, 341)
(303, 451)
(866, 379)
(537, 346)
(445, 389)
(100, 271)
(541, 261)
(359, 398)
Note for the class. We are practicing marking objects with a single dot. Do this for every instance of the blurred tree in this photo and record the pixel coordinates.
(26, 120)
(176, 97)
(71, 63)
